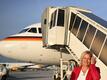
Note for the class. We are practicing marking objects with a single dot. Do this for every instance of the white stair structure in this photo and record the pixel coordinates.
(76, 29)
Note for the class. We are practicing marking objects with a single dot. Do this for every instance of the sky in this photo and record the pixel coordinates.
(17, 14)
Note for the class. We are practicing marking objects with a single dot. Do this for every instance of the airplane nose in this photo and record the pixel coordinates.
(6, 48)
(3, 49)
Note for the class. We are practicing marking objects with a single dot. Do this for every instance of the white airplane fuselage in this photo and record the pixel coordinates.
(28, 46)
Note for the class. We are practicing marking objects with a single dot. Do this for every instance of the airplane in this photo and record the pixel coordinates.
(17, 66)
(22, 66)
(27, 46)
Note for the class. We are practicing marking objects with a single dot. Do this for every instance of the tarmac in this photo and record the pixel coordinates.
(31, 75)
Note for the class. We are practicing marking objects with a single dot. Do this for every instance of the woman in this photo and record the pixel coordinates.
(87, 69)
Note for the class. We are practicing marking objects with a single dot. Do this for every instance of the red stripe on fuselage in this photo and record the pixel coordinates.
(23, 39)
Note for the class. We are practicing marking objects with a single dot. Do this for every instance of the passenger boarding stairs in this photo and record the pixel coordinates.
(76, 29)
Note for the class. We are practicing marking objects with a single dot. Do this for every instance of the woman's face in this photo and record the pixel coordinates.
(86, 60)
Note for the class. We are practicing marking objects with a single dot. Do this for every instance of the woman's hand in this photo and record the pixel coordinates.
(93, 60)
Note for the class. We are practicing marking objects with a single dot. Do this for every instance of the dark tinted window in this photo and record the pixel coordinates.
(103, 55)
(51, 22)
(96, 18)
(72, 20)
(40, 30)
(89, 36)
(97, 43)
(76, 25)
(24, 30)
(82, 30)
(53, 18)
(60, 20)
(33, 30)
(45, 21)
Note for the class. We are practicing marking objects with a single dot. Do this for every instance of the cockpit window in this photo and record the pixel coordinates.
(33, 30)
(24, 30)
(39, 29)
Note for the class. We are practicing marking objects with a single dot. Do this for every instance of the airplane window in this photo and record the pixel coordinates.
(24, 30)
(33, 30)
(40, 30)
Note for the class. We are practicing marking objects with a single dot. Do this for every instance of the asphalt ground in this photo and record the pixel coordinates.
(31, 75)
